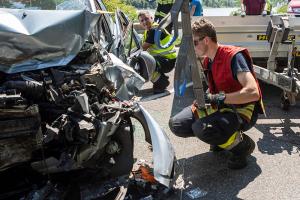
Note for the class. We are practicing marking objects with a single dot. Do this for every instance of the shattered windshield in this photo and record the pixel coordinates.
(45, 4)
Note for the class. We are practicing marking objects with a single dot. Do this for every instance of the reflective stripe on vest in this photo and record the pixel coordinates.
(154, 50)
(165, 2)
(245, 111)
(204, 112)
(160, 13)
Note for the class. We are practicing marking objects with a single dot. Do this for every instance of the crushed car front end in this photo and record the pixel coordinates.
(65, 109)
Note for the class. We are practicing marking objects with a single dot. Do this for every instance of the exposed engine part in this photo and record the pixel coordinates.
(20, 134)
(11, 98)
(28, 89)
(63, 120)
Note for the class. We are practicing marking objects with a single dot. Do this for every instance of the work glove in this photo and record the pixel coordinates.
(243, 14)
(195, 103)
(264, 13)
(215, 99)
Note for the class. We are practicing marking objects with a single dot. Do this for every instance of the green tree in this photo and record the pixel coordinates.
(221, 3)
(141, 4)
(112, 5)
(282, 9)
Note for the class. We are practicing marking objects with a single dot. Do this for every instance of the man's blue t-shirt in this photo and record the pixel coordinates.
(199, 9)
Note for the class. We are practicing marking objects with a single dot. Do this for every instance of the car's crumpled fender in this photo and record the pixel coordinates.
(163, 152)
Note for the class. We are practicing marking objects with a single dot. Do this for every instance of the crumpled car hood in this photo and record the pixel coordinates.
(37, 39)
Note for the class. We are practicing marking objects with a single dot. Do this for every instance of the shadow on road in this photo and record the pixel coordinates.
(210, 174)
(280, 129)
(279, 137)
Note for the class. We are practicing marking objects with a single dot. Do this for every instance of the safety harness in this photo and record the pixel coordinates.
(154, 50)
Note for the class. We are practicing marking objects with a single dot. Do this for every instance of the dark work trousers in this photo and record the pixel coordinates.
(214, 129)
(163, 65)
(163, 8)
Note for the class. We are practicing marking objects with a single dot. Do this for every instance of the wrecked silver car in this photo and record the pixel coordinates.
(65, 108)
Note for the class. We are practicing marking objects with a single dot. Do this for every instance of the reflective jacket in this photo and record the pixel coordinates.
(154, 50)
(163, 8)
(220, 78)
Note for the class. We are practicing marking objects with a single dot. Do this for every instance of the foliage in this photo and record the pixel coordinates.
(141, 4)
(112, 5)
(221, 3)
(282, 9)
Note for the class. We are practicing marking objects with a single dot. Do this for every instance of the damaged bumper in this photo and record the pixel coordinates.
(163, 152)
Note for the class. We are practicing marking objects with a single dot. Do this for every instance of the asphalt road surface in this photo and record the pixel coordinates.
(274, 167)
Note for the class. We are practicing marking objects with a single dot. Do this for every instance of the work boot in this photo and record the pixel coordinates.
(215, 148)
(241, 152)
(161, 84)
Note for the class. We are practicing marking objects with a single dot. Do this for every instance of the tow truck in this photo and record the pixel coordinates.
(271, 41)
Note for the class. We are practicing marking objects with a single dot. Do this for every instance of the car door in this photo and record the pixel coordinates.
(103, 32)
(127, 41)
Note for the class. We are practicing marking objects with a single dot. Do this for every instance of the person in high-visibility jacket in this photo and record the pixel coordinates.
(163, 8)
(165, 58)
(234, 98)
